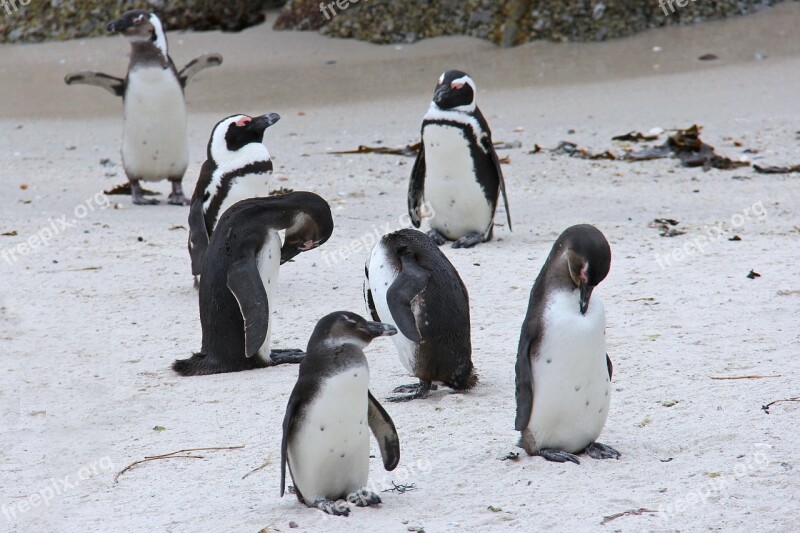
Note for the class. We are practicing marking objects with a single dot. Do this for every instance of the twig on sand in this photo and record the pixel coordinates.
(174, 455)
(637, 512)
(253, 471)
(770, 404)
(744, 377)
(401, 488)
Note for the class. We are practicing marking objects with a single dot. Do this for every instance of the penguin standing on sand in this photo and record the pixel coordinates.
(240, 272)
(411, 285)
(236, 168)
(329, 416)
(154, 136)
(563, 372)
(457, 171)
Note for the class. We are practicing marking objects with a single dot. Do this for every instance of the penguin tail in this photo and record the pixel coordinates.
(197, 365)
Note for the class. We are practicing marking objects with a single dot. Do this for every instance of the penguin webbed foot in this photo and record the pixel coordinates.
(138, 195)
(469, 240)
(363, 498)
(332, 508)
(413, 391)
(287, 356)
(557, 456)
(437, 236)
(177, 197)
(597, 450)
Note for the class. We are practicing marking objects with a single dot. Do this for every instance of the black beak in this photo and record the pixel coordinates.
(585, 295)
(440, 93)
(289, 251)
(117, 26)
(379, 329)
(259, 124)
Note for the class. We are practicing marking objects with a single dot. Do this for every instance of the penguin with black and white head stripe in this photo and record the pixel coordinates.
(563, 373)
(155, 142)
(457, 172)
(237, 167)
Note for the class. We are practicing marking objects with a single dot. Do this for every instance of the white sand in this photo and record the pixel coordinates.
(91, 323)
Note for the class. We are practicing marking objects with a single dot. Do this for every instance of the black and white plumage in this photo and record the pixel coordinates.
(155, 137)
(563, 373)
(330, 414)
(412, 285)
(457, 173)
(240, 272)
(237, 167)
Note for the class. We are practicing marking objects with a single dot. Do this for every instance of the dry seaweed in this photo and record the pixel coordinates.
(125, 189)
(571, 149)
(411, 150)
(666, 227)
(776, 170)
(281, 191)
(634, 136)
(687, 146)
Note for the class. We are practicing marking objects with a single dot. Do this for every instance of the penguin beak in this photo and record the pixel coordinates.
(259, 124)
(440, 93)
(379, 329)
(117, 26)
(585, 295)
(289, 251)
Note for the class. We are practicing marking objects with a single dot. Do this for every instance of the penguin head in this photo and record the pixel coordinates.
(234, 137)
(588, 257)
(311, 227)
(455, 90)
(140, 25)
(344, 327)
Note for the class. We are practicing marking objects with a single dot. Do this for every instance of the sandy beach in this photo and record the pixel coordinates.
(90, 323)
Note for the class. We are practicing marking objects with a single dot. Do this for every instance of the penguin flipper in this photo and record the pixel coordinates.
(416, 187)
(198, 236)
(488, 147)
(288, 420)
(381, 425)
(411, 281)
(112, 84)
(524, 380)
(196, 65)
(245, 283)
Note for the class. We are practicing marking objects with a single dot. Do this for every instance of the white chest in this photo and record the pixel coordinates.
(381, 277)
(451, 187)
(570, 376)
(241, 187)
(155, 143)
(268, 261)
(329, 453)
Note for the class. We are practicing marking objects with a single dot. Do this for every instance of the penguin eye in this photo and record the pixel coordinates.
(138, 20)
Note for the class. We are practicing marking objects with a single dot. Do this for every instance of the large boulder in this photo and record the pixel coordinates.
(40, 20)
(505, 22)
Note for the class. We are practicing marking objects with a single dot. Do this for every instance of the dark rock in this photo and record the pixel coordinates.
(70, 19)
(504, 22)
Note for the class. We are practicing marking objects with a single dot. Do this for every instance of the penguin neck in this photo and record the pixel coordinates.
(149, 52)
(557, 276)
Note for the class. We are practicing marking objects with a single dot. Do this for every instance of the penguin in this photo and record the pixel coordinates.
(155, 143)
(325, 435)
(240, 272)
(457, 172)
(411, 285)
(563, 373)
(237, 167)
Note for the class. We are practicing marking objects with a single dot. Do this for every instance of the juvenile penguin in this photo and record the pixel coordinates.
(411, 285)
(325, 434)
(457, 171)
(240, 271)
(563, 371)
(237, 167)
(154, 133)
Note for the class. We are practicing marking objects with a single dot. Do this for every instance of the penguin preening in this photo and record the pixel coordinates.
(237, 167)
(330, 414)
(154, 138)
(240, 271)
(563, 373)
(457, 172)
(412, 285)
